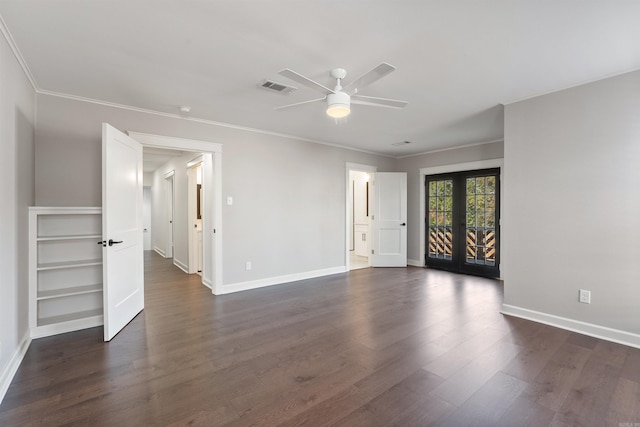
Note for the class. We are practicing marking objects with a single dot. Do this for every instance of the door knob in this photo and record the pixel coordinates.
(114, 242)
(403, 224)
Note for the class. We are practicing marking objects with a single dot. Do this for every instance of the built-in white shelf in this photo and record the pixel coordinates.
(65, 292)
(69, 264)
(65, 269)
(69, 237)
(78, 315)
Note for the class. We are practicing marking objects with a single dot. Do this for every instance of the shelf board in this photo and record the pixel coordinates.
(69, 317)
(68, 264)
(70, 237)
(65, 292)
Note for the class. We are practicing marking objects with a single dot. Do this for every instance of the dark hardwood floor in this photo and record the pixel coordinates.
(374, 347)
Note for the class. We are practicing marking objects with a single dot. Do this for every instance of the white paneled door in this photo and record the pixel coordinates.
(122, 230)
(389, 222)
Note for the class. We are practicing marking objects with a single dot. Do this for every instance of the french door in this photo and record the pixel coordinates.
(463, 222)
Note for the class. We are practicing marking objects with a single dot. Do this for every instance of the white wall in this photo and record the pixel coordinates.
(147, 179)
(17, 114)
(288, 215)
(572, 206)
(412, 165)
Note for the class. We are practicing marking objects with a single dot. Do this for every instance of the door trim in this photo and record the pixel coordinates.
(212, 228)
(459, 167)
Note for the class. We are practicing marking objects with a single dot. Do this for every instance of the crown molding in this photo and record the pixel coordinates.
(205, 121)
(475, 144)
(16, 52)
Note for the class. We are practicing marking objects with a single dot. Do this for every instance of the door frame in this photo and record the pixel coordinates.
(212, 206)
(459, 167)
(356, 167)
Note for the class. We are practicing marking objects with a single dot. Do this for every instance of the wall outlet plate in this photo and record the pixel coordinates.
(584, 296)
(247, 265)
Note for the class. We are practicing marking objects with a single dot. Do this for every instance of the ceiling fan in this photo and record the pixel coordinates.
(339, 99)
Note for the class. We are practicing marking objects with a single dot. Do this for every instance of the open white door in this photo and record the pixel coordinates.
(389, 220)
(122, 255)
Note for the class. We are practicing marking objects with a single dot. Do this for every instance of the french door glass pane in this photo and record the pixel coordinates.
(480, 220)
(441, 219)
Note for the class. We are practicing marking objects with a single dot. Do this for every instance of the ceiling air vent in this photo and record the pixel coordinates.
(277, 87)
(398, 144)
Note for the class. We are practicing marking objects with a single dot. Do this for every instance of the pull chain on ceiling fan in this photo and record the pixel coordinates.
(339, 99)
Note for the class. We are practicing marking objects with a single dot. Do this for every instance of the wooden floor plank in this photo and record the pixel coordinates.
(376, 346)
(488, 404)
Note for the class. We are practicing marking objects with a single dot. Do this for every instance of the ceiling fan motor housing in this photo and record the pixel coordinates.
(339, 99)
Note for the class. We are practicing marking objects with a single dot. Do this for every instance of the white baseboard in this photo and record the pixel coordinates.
(270, 281)
(181, 265)
(414, 263)
(159, 251)
(9, 371)
(602, 332)
(207, 283)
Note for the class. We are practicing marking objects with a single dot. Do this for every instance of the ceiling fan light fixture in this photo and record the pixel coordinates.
(338, 105)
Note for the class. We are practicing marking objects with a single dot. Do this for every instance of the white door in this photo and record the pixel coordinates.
(146, 214)
(123, 267)
(389, 221)
(169, 191)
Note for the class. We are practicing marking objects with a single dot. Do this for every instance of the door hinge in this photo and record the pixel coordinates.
(214, 231)
(373, 217)
(373, 252)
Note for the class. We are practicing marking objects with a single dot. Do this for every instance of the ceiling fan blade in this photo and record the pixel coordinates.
(377, 102)
(285, 107)
(366, 79)
(305, 81)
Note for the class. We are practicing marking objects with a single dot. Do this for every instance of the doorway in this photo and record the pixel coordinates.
(463, 217)
(210, 155)
(358, 211)
(359, 220)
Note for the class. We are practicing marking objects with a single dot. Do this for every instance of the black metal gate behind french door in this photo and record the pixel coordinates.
(463, 222)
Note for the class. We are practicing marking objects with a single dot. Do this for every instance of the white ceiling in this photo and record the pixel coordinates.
(457, 61)
(156, 157)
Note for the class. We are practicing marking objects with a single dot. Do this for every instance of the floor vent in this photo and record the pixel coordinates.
(277, 87)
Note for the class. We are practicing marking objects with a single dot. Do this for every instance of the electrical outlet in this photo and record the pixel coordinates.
(247, 265)
(584, 296)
